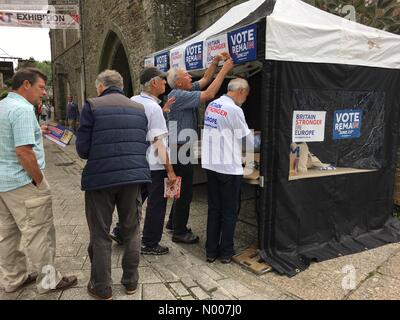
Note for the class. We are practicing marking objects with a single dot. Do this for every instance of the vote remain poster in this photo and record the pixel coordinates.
(347, 124)
(243, 44)
(194, 56)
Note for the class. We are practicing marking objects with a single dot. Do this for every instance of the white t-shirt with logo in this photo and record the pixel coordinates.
(156, 127)
(224, 129)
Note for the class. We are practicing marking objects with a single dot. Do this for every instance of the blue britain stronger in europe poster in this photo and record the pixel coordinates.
(243, 44)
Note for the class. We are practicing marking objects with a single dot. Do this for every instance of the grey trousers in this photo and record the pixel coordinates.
(100, 205)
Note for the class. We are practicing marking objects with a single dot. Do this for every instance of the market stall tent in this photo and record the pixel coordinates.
(343, 78)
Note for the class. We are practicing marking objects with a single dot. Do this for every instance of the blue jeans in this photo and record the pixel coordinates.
(223, 210)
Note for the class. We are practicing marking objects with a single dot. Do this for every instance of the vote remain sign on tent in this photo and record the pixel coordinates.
(162, 61)
(243, 44)
(347, 124)
(194, 56)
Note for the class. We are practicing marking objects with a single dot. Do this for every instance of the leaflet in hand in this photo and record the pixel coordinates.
(172, 191)
(59, 134)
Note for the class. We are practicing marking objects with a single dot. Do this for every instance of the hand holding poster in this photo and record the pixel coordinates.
(216, 46)
(59, 134)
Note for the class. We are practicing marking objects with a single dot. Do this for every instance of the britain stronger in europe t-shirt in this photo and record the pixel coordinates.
(224, 129)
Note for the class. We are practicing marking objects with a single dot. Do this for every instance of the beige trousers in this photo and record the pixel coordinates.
(27, 213)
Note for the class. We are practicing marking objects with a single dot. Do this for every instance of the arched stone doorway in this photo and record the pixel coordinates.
(114, 57)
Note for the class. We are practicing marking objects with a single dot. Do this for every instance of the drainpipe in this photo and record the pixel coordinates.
(193, 16)
(83, 61)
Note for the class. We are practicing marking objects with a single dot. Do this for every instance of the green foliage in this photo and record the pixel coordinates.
(396, 212)
(3, 94)
(44, 66)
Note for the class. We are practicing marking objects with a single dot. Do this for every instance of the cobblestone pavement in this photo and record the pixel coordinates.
(183, 274)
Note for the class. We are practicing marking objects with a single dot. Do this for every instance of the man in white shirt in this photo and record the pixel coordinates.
(153, 83)
(225, 129)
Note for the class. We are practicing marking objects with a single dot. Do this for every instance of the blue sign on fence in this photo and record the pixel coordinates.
(243, 44)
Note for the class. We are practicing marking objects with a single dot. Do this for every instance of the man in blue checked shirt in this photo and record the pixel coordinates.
(25, 196)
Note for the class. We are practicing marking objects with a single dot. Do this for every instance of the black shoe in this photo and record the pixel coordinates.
(105, 294)
(156, 250)
(169, 226)
(225, 260)
(130, 288)
(187, 237)
(116, 238)
(211, 259)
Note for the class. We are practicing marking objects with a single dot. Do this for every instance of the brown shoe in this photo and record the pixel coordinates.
(66, 283)
(130, 288)
(105, 294)
(31, 278)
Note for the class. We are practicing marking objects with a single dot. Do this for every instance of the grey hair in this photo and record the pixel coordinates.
(147, 86)
(237, 84)
(173, 74)
(110, 78)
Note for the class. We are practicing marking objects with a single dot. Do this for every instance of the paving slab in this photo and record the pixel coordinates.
(391, 267)
(199, 293)
(147, 275)
(179, 289)
(234, 288)
(325, 280)
(32, 294)
(157, 292)
(378, 287)
(76, 294)
(68, 249)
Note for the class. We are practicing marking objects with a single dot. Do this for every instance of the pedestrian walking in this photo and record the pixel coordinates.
(72, 114)
(44, 112)
(112, 137)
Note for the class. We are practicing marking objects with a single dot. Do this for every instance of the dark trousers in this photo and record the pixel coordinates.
(180, 210)
(100, 205)
(155, 211)
(223, 209)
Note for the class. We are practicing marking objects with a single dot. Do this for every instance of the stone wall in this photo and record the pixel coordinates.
(66, 58)
(209, 11)
(141, 26)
